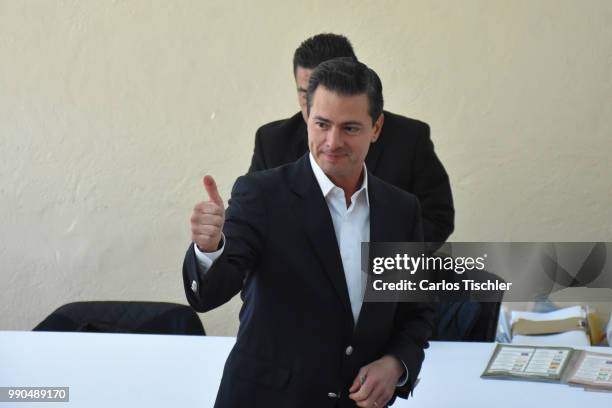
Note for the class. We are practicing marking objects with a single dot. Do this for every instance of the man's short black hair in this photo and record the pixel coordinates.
(321, 47)
(347, 76)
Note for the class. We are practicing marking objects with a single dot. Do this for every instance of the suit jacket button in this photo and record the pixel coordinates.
(349, 350)
(194, 286)
(332, 395)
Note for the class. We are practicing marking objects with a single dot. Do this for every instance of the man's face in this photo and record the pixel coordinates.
(302, 76)
(340, 131)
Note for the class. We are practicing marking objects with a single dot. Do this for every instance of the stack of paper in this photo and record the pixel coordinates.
(552, 328)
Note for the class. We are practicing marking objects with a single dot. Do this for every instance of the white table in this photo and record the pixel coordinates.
(104, 370)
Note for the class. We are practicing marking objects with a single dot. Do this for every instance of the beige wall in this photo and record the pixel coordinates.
(111, 112)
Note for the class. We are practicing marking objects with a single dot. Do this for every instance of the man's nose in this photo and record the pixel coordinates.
(334, 139)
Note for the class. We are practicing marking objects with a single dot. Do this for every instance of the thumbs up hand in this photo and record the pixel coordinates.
(208, 218)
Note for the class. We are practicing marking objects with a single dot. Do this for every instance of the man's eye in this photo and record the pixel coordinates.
(321, 125)
(351, 129)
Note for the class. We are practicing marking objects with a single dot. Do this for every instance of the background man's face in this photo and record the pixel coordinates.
(302, 76)
(340, 131)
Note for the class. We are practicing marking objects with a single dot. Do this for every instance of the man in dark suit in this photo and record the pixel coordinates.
(403, 155)
(290, 242)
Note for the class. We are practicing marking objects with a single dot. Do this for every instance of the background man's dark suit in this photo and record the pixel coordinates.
(296, 322)
(403, 156)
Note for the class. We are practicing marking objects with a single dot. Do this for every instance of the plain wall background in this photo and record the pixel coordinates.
(112, 111)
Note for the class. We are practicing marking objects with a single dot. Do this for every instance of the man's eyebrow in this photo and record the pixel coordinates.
(352, 123)
(349, 123)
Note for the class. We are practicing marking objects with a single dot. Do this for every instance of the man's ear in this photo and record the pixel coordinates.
(378, 127)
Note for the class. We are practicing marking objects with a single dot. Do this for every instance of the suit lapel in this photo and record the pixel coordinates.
(311, 210)
(381, 222)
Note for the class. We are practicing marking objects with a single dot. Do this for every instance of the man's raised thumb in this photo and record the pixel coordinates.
(211, 189)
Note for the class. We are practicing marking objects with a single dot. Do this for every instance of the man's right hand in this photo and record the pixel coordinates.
(208, 218)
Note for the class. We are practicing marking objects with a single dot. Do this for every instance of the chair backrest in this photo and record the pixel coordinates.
(124, 317)
(466, 321)
(463, 319)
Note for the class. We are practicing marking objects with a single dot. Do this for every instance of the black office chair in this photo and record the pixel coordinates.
(466, 321)
(463, 319)
(124, 317)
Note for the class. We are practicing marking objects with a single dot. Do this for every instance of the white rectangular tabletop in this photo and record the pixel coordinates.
(104, 370)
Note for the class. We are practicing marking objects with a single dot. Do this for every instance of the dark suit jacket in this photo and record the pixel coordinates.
(296, 321)
(403, 156)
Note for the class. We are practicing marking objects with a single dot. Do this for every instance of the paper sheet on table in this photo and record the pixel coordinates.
(593, 370)
(529, 363)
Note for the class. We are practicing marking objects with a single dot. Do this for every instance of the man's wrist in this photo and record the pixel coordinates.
(219, 246)
(206, 259)
(402, 378)
(397, 365)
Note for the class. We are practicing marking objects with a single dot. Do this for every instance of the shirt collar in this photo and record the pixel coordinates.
(327, 185)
